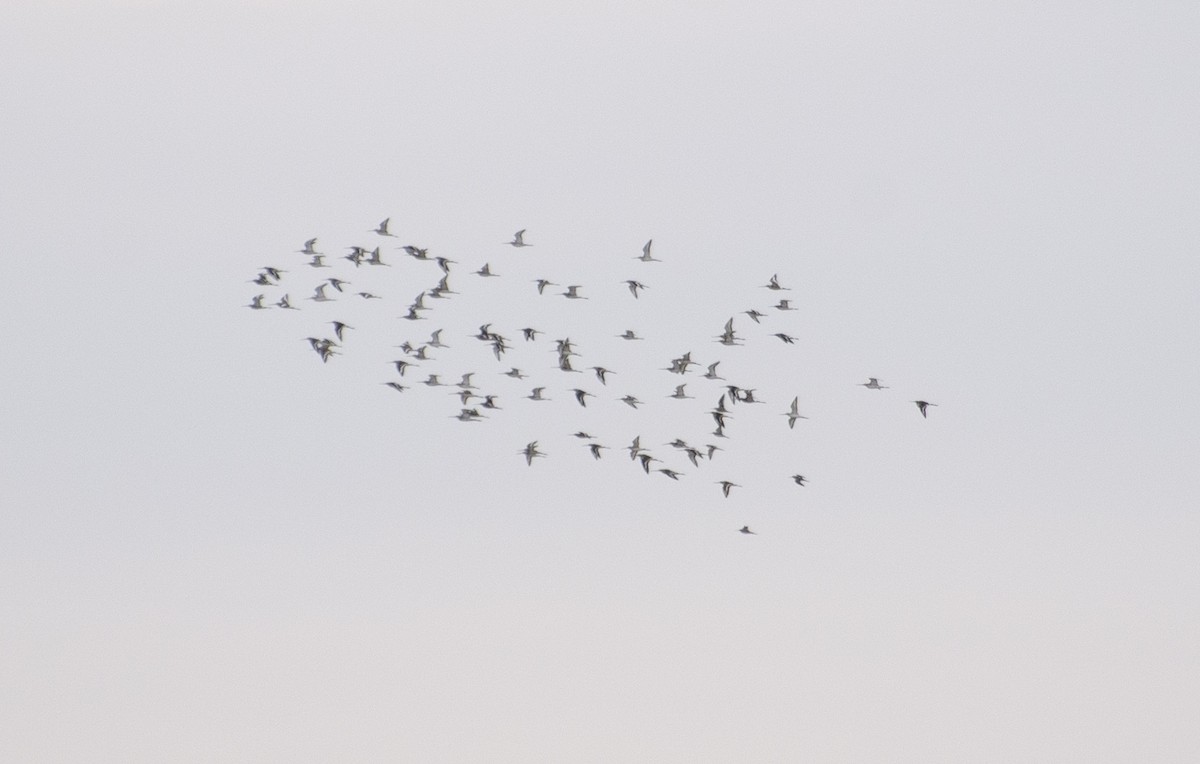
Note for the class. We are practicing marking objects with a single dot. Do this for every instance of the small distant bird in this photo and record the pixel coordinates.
(787, 339)
(784, 305)
(442, 289)
(338, 328)
(465, 384)
(274, 273)
(432, 381)
(726, 486)
(670, 473)
(435, 340)
(922, 405)
(401, 366)
(629, 335)
(635, 448)
(601, 372)
(634, 286)
(486, 270)
(530, 451)
(631, 401)
(799, 479)
(413, 315)
(515, 373)
(536, 394)
(712, 371)
(872, 384)
(369, 296)
(377, 259)
(284, 303)
(754, 314)
(530, 333)
(595, 449)
(746, 529)
(582, 435)
(396, 386)
(319, 295)
(356, 256)
(712, 450)
(572, 293)
(468, 415)
(519, 239)
(417, 252)
(444, 264)
(645, 257)
(728, 337)
(581, 396)
(318, 261)
(646, 459)
(774, 284)
(679, 394)
(382, 230)
(310, 248)
(498, 347)
(336, 283)
(794, 413)
(542, 284)
(489, 402)
(256, 302)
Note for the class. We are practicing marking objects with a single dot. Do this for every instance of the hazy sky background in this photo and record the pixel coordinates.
(214, 548)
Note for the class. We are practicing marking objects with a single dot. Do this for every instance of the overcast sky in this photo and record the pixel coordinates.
(216, 548)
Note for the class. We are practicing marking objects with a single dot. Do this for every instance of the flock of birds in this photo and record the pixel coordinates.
(333, 284)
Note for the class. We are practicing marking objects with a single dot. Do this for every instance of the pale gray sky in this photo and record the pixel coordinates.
(215, 548)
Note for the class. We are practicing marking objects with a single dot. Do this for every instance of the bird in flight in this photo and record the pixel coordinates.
(872, 384)
(726, 485)
(746, 529)
(634, 286)
(629, 335)
(794, 413)
(310, 248)
(645, 256)
(382, 230)
(572, 293)
(519, 239)
(530, 451)
(256, 302)
(679, 394)
(338, 328)
(774, 284)
(799, 479)
(923, 405)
